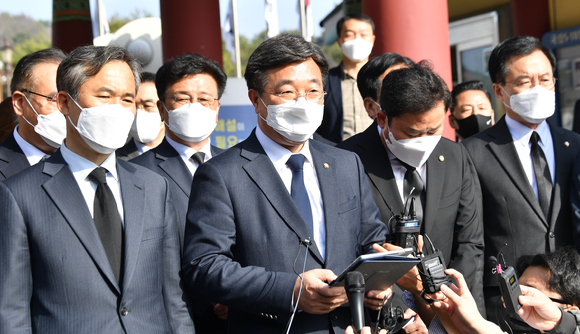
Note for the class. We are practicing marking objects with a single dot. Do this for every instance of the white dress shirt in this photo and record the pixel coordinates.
(399, 172)
(33, 154)
(279, 156)
(81, 168)
(141, 148)
(185, 152)
(521, 135)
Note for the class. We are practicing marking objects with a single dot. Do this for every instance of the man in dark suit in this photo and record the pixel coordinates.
(89, 243)
(195, 82)
(344, 112)
(523, 163)
(148, 130)
(41, 126)
(406, 136)
(274, 217)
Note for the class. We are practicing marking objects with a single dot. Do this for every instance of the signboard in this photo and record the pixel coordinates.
(237, 117)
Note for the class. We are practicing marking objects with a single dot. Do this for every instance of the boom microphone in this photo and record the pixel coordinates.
(355, 290)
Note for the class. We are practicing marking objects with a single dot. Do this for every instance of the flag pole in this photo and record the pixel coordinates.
(236, 39)
(303, 18)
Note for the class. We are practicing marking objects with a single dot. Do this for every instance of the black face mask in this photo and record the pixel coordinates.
(472, 125)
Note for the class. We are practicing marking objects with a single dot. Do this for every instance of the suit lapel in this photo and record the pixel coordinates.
(261, 170)
(12, 159)
(132, 191)
(435, 183)
(172, 164)
(564, 161)
(502, 146)
(327, 180)
(64, 191)
(374, 157)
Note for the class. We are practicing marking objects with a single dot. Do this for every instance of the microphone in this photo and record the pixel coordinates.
(355, 290)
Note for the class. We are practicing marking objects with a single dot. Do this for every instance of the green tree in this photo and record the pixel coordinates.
(117, 21)
(29, 45)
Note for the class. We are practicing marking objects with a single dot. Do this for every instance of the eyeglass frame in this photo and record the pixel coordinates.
(211, 104)
(516, 85)
(298, 95)
(52, 99)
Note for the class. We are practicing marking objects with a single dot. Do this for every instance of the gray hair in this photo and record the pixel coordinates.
(86, 61)
(23, 77)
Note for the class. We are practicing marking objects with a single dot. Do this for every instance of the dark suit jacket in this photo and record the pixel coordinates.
(128, 152)
(12, 159)
(450, 219)
(55, 275)
(165, 161)
(333, 120)
(243, 232)
(511, 211)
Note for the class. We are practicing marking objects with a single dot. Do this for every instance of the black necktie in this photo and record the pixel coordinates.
(413, 180)
(108, 221)
(198, 157)
(298, 189)
(542, 172)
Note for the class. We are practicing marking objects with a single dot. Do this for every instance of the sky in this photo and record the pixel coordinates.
(248, 11)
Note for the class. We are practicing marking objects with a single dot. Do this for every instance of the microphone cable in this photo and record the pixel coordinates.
(307, 242)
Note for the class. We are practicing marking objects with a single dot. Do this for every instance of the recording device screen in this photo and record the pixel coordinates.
(512, 280)
(432, 263)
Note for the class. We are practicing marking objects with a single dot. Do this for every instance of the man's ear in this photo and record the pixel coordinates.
(217, 111)
(18, 103)
(162, 111)
(62, 103)
(498, 91)
(453, 122)
(571, 308)
(492, 117)
(382, 119)
(370, 107)
(254, 98)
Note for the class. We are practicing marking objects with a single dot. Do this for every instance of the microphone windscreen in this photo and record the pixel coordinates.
(354, 280)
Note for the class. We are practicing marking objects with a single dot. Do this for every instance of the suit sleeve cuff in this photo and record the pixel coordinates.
(567, 324)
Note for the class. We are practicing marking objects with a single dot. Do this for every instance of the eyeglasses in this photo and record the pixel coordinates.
(48, 98)
(527, 83)
(560, 301)
(292, 95)
(181, 100)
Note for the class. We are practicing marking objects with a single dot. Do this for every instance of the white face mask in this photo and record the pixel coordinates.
(534, 105)
(192, 122)
(357, 49)
(295, 120)
(51, 128)
(104, 128)
(413, 151)
(146, 126)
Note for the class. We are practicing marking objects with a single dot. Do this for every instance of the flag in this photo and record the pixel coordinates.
(99, 19)
(306, 23)
(228, 32)
(309, 22)
(271, 16)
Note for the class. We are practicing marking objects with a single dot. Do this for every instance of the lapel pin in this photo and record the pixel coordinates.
(326, 165)
(441, 158)
(566, 144)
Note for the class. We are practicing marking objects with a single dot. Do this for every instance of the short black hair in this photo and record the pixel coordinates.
(23, 76)
(367, 78)
(564, 267)
(147, 77)
(279, 51)
(357, 16)
(514, 47)
(413, 90)
(87, 61)
(188, 64)
(464, 87)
